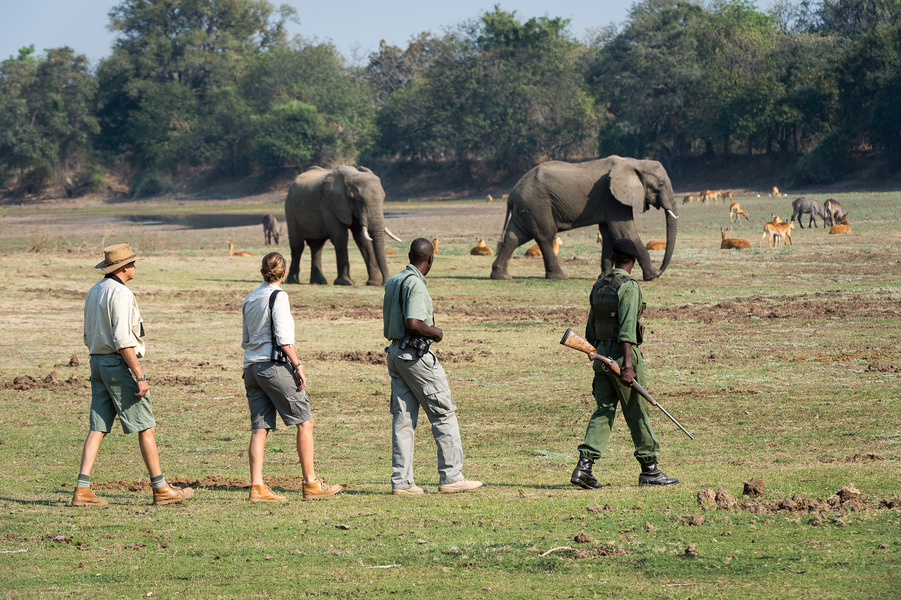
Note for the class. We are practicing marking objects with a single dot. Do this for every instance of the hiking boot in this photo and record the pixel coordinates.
(85, 497)
(582, 476)
(171, 495)
(651, 475)
(413, 490)
(319, 489)
(464, 485)
(262, 493)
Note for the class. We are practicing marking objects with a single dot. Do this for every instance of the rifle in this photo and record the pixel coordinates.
(573, 340)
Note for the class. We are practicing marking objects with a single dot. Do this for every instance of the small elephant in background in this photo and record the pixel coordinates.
(834, 212)
(272, 229)
(809, 206)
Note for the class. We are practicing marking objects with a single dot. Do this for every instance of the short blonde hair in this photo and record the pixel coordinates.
(274, 266)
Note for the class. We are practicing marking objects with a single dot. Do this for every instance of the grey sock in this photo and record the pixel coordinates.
(83, 480)
(157, 482)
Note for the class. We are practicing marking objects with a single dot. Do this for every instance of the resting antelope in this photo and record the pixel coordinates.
(655, 245)
(536, 251)
(841, 225)
(481, 249)
(231, 251)
(736, 210)
(733, 243)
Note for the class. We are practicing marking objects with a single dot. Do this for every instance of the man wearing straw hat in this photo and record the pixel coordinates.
(114, 335)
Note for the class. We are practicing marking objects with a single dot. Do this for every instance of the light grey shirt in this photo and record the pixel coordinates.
(257, 337)
(112, 320)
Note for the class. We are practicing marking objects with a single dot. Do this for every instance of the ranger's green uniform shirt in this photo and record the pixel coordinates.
(630, 301)
(417, 303)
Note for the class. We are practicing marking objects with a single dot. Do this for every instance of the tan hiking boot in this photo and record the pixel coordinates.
(171, 495)
(262, 493)
(319, 489)
(413, 490)
(464, 485)
(85, 497)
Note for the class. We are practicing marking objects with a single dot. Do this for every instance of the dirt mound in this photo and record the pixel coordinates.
(358, 356)
(847, 499)
(876, 367)
(174, 380)
(754, 488)
(51, 380)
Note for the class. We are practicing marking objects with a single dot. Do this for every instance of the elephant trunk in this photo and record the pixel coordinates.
(376, 232)
(671, 228)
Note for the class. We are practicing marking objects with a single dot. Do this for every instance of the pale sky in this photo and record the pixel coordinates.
(354, 26)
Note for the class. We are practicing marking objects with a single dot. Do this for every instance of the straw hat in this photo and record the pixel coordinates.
(115, 257)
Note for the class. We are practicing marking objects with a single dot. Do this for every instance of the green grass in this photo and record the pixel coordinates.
(783, 363)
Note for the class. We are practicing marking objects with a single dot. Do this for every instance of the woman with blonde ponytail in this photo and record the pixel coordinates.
(274, 381)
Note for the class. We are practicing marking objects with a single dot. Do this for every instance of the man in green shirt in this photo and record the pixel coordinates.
(417, 379)
(614, 329)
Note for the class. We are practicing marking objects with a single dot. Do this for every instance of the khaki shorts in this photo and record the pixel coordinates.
(113, 389)
(271, 388)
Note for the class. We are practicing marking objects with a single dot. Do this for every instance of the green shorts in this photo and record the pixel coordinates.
(113, 389)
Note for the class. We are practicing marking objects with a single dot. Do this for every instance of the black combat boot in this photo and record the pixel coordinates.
(651, 475)
(582, 476)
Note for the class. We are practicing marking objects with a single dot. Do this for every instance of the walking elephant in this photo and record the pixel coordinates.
(558, 196)
(324, 205)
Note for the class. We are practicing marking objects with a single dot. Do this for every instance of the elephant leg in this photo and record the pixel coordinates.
(296, 240)
(368, 253)
(316, 276)
(606, 248)
(513, 239)
(552, 268)
(339, 240)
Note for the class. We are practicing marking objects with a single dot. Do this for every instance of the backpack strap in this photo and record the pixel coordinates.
(276, 353)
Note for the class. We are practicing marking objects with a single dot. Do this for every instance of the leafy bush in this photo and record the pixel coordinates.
(827, 163)
(152, 183)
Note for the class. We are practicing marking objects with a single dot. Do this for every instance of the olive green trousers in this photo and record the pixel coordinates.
(608, 392)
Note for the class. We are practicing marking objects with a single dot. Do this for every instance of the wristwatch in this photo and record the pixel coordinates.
(143, 377)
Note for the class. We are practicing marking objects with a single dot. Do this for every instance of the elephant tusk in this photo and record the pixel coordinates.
(392, 236)
(672, 214)
(366, 235)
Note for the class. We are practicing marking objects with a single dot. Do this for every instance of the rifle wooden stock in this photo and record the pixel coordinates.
(573, 340)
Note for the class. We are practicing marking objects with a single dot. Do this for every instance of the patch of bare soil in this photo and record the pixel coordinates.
(876, 367)
(52, 380)
(210, 482)
(848, 499)
(175, 380)
(370, 357)
(814, 306)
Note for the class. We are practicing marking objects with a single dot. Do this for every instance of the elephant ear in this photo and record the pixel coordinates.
(627, 187)
(338, 196)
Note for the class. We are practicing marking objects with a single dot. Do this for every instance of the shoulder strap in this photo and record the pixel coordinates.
(272, 297)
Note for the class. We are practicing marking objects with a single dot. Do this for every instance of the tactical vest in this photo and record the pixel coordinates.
(605, 302)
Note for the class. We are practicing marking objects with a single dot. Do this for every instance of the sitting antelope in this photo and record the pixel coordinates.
(733, 243)
(481, 249)
(536, 251)
(231, 251)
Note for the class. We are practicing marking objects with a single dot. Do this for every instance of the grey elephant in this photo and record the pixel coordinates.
(802, 206)
(557, 196)
(324, 205)
(272, 230)
(833, 211)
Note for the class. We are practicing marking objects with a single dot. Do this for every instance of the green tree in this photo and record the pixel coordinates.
(870, 85)
(496, 89)
(46, 117)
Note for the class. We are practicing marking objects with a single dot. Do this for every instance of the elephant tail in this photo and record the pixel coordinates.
(507, 220)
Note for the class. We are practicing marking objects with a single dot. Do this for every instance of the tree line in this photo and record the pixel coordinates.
(216, 86)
